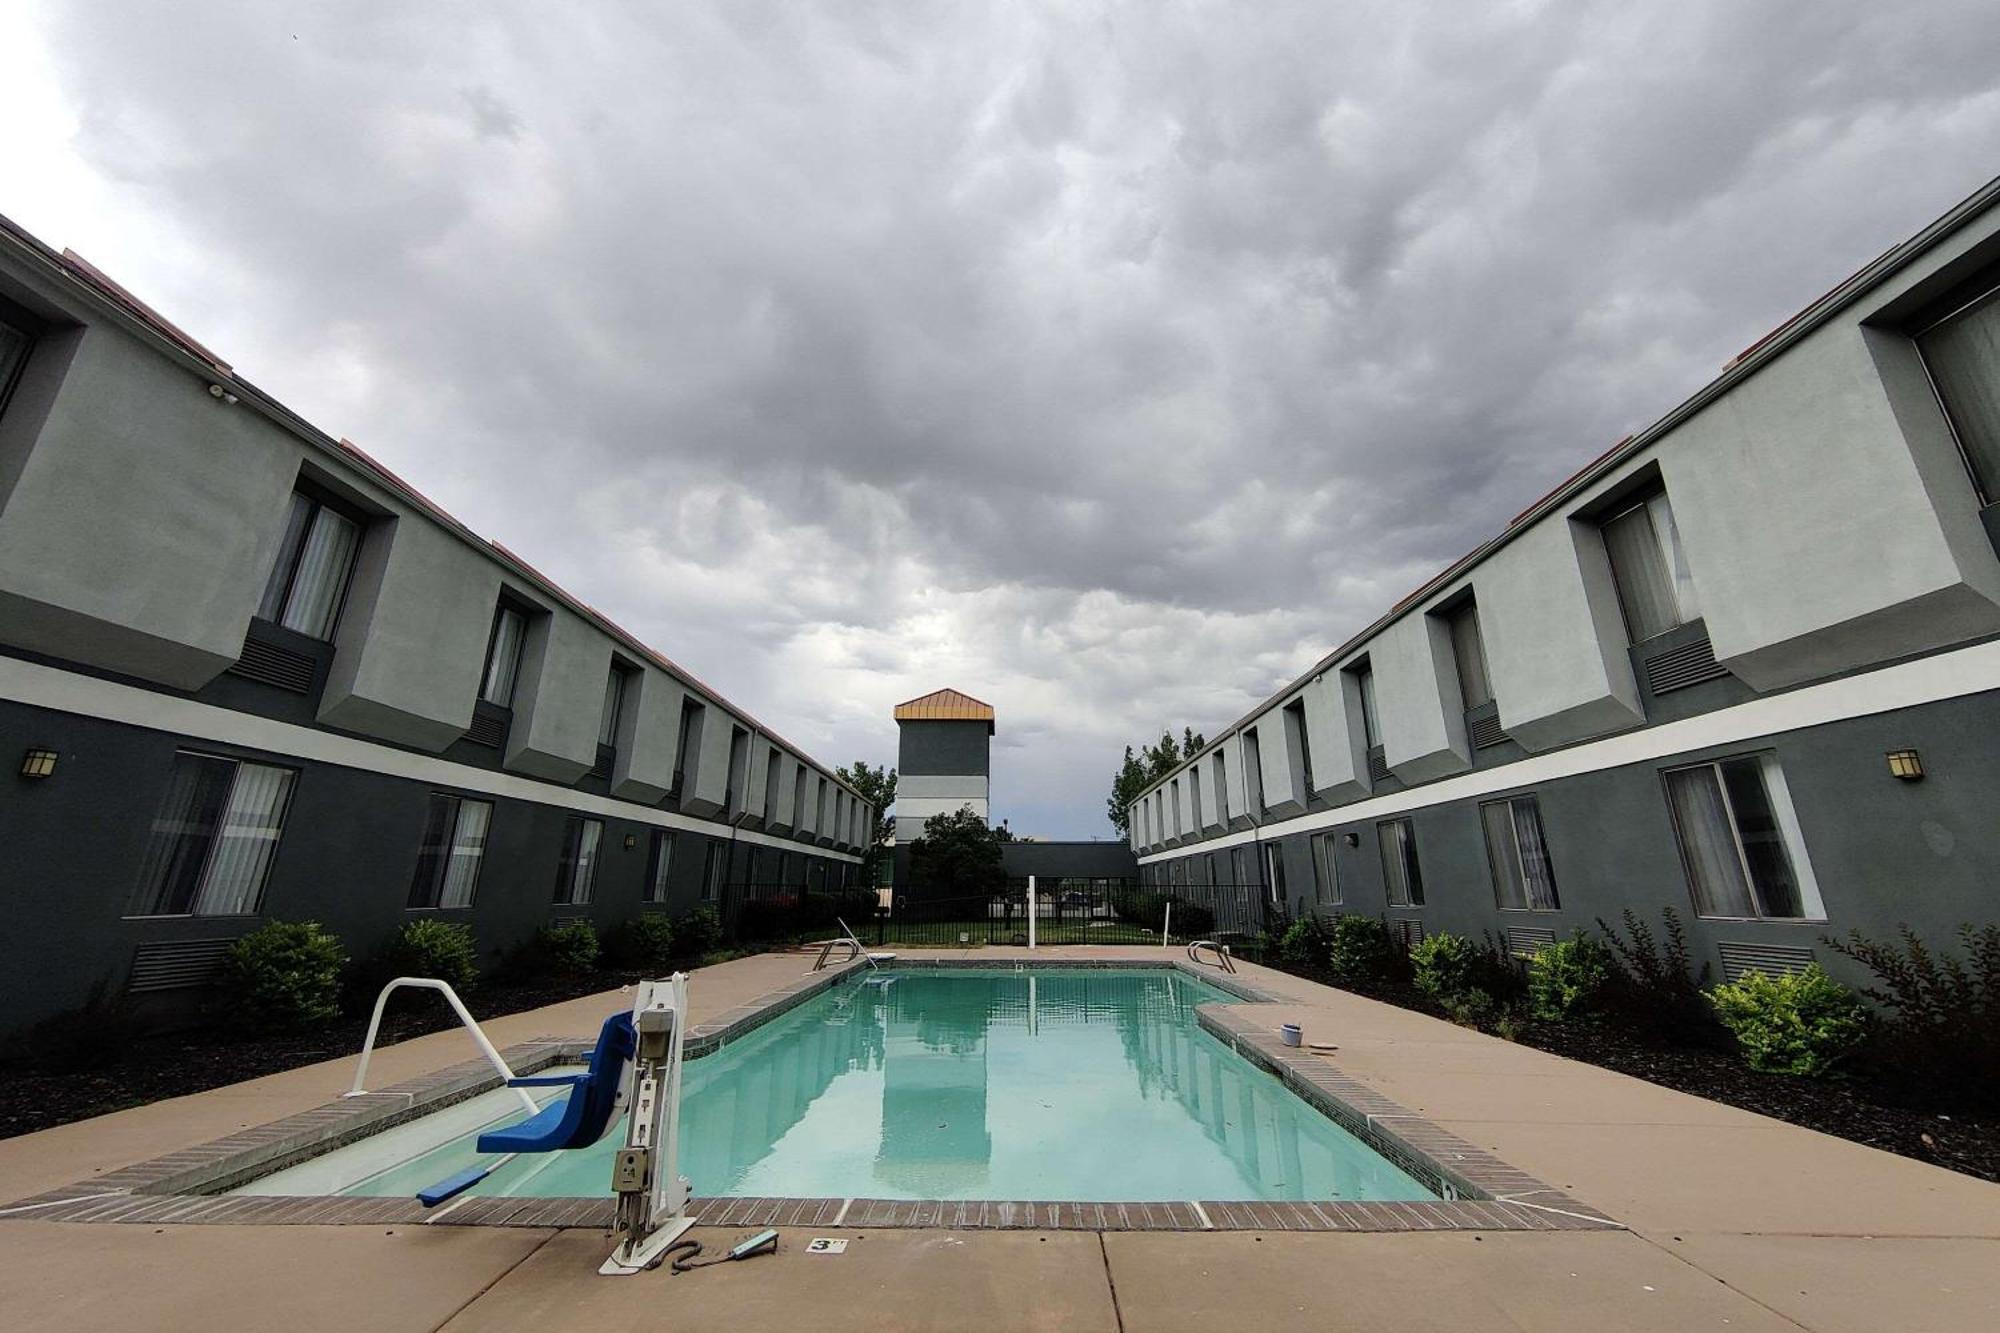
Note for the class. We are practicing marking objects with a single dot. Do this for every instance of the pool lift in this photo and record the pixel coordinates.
(635, 1065)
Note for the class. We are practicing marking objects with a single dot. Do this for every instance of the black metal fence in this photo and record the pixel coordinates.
(1066, 911)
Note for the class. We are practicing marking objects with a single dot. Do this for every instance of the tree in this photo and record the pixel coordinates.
(958, 856)
(1142, 770)
(876, 786)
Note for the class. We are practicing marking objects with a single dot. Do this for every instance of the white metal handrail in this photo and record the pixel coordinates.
(827, 949)
(464, 1016)
(1222, 959)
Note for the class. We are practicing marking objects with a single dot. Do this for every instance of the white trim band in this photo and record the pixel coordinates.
(87, 696)
(1949, 675)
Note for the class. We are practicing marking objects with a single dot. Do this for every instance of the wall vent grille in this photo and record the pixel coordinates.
(1527, 941)
(488, 729)
(1378, 765)
(1407, 932)
(1775, 960)
(269, 664)
(1484, 731)
(607, 755)
(1689, 664)
(176, 964)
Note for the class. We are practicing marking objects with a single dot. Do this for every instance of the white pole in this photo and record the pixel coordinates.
(1031, 911)
(1167, 923)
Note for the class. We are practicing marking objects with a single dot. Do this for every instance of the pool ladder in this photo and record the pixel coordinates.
(1222, 958)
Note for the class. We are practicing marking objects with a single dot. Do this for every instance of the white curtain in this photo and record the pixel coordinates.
(468, 846)
(322, 576)
(182, 834)
(1500, 849)
(1686, 606)
(1708, 844)
(296, 518)
(508, 631)
(1963, 355)
(663, 860)
(1538, 873)
(1399, 864)
(246, 841)
(1645, 584)
(1469, 650)
(584, 873)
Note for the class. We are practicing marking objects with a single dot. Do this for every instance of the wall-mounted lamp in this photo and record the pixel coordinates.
(631, 841)
(221, 395)
(1351, 839)
(1905, 764)
(38, 764)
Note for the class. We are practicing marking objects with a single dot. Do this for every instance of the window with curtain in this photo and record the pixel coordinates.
(1364, 687)
(1400, 874)
(315, 558)
(1253, 773)
(1274, 871)
(448, 860)
(503, 656)
(1651, 572)
(1222, 786)
(1174, 807)
(1962, 354)
(1300, 743)
(615, 686)
(1468, 651)
(15, 344)
(659, 865)
(1194, 794)
(1326, 879)
(1239, 865)
(1740, 842)
(576, 874)
(714, 866)
(213, 839)
(1524, 878)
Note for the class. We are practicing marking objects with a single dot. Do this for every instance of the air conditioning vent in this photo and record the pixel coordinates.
(1378, 765)
(1527, 941)
(268, 664)
(607, 755)
(488, 729)
(176, 964)
(1484, 731)
(1407, 932)
(1678, 668)
(1773, 960)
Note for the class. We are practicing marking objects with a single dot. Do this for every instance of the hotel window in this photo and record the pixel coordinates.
(1274, 871)
(1524, 878)
(1253, 774)
(799, 797)
(576, 874)
(1961, 352)
(315, 558)
(772, 763)
(1650, 568)
(1400, 873)
(1300, 745)
(1740, 842)
(821, 827)
(1194, 795)
(1222, 787)
(503, 656)
(1371, 726)
(448, 859)
(689, 753)
(1468, 651)
(1175, 805)
(661, 864)
(15, 344)
(617, 685)
(738, 781)
(213, 839)
(713, 867)
(1326, 880)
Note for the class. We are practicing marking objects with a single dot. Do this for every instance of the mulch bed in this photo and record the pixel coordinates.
(82, 1083)
(1871, 1107)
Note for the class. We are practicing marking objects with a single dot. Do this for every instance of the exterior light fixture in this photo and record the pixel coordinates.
(1905, 764)
(631, 841)
(38, 763)
(1351, 839)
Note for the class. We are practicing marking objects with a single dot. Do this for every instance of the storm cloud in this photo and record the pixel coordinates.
(1107, 361)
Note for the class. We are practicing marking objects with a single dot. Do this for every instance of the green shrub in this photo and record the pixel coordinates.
(1147, 910)
(640, 943)
(1307, 942)
(283, 976)
(1447, 967)
(1362, 952)
(428, 947)
(699, 932)
(1570, 978)
(568, 947)
(1943, 1013)
(1805, 1023)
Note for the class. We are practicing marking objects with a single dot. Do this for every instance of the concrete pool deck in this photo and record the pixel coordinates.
(1736, 1221)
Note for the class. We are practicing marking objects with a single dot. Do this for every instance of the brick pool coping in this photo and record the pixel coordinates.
(1478, 1191)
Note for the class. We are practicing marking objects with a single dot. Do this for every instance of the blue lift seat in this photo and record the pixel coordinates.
(581, 1118)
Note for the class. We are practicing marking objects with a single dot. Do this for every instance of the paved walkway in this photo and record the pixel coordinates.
(1737, 1222)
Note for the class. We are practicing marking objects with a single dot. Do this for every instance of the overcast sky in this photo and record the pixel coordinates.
(1108, 362)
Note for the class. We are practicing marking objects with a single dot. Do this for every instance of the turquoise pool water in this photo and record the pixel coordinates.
(975, 1084)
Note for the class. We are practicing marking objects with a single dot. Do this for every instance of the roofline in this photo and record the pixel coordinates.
(1741, 367)
(135, 317)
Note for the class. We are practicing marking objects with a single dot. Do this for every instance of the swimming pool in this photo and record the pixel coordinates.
(1042, 1083)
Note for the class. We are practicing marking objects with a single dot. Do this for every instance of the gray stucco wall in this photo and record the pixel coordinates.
(559, 698)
